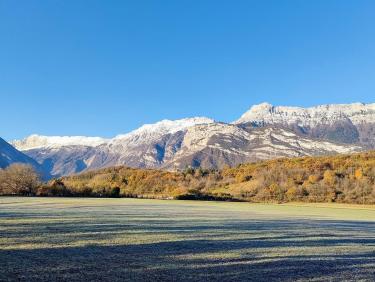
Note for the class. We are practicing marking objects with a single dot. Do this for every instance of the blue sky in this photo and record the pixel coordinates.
(100, 68)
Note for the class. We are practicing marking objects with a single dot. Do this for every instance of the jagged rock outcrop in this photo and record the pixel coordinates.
(344, 123)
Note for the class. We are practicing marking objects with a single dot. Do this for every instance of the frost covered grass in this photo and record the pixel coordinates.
(85, 239)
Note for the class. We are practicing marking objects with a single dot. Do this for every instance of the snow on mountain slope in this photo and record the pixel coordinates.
(150, 145)
(152, 131)
(37, 141)
(199, 137)
(357, 113)
(217, 145)
(346, 123)
(146, 132)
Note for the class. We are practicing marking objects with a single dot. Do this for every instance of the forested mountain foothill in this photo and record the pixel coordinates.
(340, 178)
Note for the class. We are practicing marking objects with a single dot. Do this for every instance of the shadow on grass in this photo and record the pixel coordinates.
(162, 262)
(269, 255)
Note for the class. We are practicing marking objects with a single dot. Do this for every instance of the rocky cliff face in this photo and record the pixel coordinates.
(345, 123)
(217, 145)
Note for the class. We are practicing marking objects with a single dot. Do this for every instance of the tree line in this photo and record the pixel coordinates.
(341, 178)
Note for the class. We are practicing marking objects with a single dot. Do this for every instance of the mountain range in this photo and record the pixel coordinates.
(263, 132)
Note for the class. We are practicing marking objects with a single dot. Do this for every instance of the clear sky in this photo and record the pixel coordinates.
(100, 68)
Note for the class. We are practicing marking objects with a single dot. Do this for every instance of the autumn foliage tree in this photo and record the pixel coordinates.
(19, 179)
(341, 178)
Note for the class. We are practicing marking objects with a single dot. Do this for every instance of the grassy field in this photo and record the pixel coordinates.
(70, 239)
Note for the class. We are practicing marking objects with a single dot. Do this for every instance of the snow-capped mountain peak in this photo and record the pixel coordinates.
(164, 127)
(37, 141)
(266, 113)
